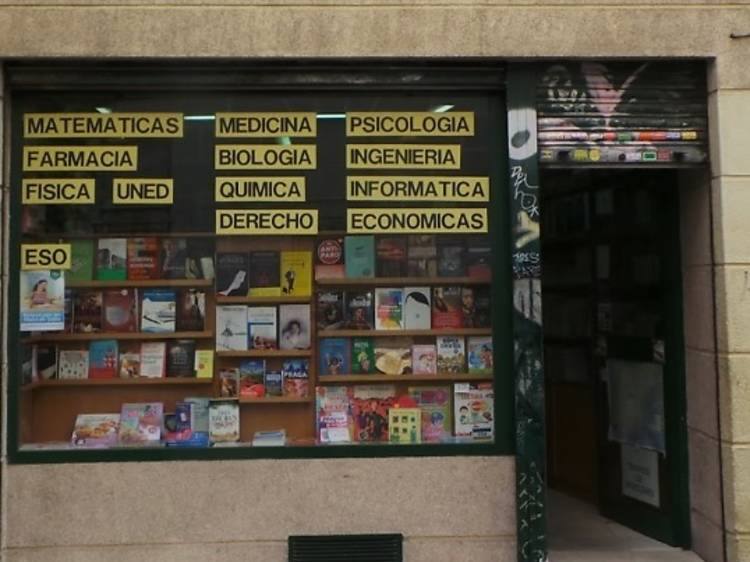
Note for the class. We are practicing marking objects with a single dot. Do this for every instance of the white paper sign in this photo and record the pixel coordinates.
(640, 474)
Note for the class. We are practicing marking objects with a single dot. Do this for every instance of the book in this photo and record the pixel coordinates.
(232, 274)
(334, 356)
(229, 382)
(153, 359)
(199, 261)
(479, 258)
(334, 422)
(191, 312)
(178, 428)
(173, 258)
(393, 355)
(417, 308)
(475, 307)
(451, 354)
(143, 258)
(87, 311)
(422, 246)
(330, 310)
(112, 259)
(405, 425)
(158, 310)
(435, 404)
(103, 357)
(119, 307)
(81, 261)
(198, 420)
(274, 438)
(204, 363)
(130, 361)
(43, 362)
(391, 256)
(474, 405)
(252, 378)
(294, 326)
(479, 354)
(42, 300)
(231, 328)
(72, 364)
(446, 308)
(27, 364)
(389, 309)
(264, 278)
(295, 374)
(359, 310)
(180, 358)
(329, 258)
(424, 359)
(141, 423)
(450, 257)
(223, 421)
(95, 430)
(363, 356)
(359, 256)
(68, 309)
(274, 383)
(370, 405)
(296, 273)
(261, 327)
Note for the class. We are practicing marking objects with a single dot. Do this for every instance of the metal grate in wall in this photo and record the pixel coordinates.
(346, 548)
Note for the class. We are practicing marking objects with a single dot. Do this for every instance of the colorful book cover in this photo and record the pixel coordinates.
(158, 310)
(417, 308)
(112, 259)
(370, 405)
(199, 263)
(447, 311)
(480, 354)
(451, 354)
(143, 258)
(334, 414)
(231, 328)
(479, 258)
(153, 359)
(120, 310)
(103, 358)
(199, 420)
(334, 356)
(73, 364)
(329, 258)
(95, 430)
(261, 327)
(42, 301)
(424, 359)
(435, 403)
(140, 424)
(405, 425)
(296, 273)
(173, 258)
(450, 260)
(330, 310)
(359, 256)
(474, 405)
(389, 309)
(204, 363)
(393, 355)
(391, 256)
(130, 361)
(232, 274)
(68, 309)
(360, 310)
(223, 421)
(363, 356)
(251, 378)
(265, 274)
(87, 311)
(229, 381)
(43, 362)
(274, 383)
(180, 358)
(475, 307)
(177, 426)
(294, 326)
(296, 376)
(191, 312)
(81, 261)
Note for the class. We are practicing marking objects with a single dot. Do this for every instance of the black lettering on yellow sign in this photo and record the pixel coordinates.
(266, 221)
(259, 189)
(45, 256)
(141, 191)
(417, 188)
(264, 157)
(423, 156)
(57, 191)
(80, 158)
(101, 125)
(417, 221)
(405, 123)
(266, 124)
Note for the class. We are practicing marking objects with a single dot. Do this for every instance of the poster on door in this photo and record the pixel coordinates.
(640, 474)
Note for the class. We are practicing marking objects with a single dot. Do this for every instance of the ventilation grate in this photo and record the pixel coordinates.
(346, 548)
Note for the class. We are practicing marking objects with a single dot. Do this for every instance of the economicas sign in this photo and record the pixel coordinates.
(416, 221)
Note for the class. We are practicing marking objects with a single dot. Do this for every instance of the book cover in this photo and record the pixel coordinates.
(265, 274)
(296, 273)
(73, 364)
(360, 310)
(158, 310)
(27, 364)
(199, 263)
(143, 258)
(87, 311)
(141, 423)
(334, 414)
(296, 375)
(81, 261)
(450, 260)
(252, 378)
(199, 419)
(274, 383)
(435, 403)
(68, 306)
(363, 356)
(329, 258)
(153, 359)
(43, 362)
(334, 356)
(42, 301)
(120, 310)
(446, 308)
(421, 267)
(223, 421)
(180, 358)
(417, 308)
(173, 258)
(405, 425)
(130, 361)
(330, 310)
(294, 326)
(103, 357)
(204, 363)
(451, 354)
(393, 355)
(95, 430)
(479, 356)
(389, 309)
(359, 256)
(231, 328)
(191, 312)
(475, 307)
(424, 359)
(370, 405)
(391, 256)
(261, 327)
(421, 246)
(232, 270)
(474, 405)
(112, 259)
(271, 438)
(177, 426)
(478, 258)
(229, 382)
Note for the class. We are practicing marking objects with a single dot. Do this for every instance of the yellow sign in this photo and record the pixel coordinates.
(58, 191)
(282, 124)
(259, 189)
(45, 256)
(265, 157)
(416, 221)
(266, 221)
(417, 188)
(80, 158)
(101, 125)
(414, 156)
(143, 191)
(410, 124)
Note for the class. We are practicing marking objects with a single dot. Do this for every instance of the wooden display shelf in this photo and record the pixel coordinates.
(94, 284)
(398, 281)
(275, 400)
(266, 353)
(56, 337)
(281, 299)
(337, 379)
(397, 333)
(165, 381)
